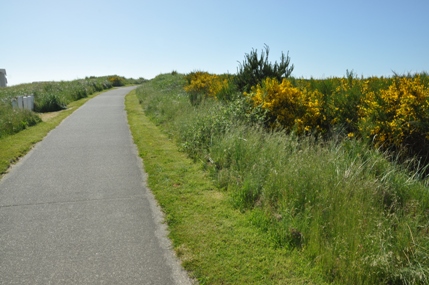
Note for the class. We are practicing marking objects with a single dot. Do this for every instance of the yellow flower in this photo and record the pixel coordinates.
(205, 83)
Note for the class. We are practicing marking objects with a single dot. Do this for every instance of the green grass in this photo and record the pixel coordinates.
(15, 120)
(359, 218)
(15, 146)
(336, 207)
(217, 243)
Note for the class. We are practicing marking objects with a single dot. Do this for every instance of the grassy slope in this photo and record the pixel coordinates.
(215, 242)
(14, 146)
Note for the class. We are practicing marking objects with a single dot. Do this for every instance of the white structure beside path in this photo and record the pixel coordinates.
(23, 102)
(3, 80)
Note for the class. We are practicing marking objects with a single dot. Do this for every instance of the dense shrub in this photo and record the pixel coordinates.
(397, 116)
(391, 113)
(288, 107)
(117, 81)
(203, 84)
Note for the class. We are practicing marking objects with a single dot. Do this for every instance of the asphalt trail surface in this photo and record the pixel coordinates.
(75, 209)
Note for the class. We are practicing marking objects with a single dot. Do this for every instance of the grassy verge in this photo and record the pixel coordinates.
(355, 216)
(216, 242)
(14, 146)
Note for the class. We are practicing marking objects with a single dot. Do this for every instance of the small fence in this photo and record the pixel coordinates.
(23, 102)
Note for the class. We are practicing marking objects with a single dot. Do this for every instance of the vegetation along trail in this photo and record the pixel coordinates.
(76, 210)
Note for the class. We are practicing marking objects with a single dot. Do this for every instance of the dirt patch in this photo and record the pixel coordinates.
(47, 116)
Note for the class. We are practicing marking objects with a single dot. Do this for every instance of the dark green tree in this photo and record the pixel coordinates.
(256, 68)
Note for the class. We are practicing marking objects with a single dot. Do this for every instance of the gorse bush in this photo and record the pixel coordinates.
(202, 84)
(390, 113)
(117, 81)
(397, 116)
(287, 106)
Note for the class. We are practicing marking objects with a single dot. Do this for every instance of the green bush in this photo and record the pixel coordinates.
(117, 81)
(255, 69)
(49, 102)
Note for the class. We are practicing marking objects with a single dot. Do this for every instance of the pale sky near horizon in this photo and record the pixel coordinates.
(45, 40)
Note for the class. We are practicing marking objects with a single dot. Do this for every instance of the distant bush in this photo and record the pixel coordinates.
(137, 81)
(117, 80)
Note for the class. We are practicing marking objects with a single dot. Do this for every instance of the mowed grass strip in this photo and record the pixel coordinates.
(15, 146)
(216, 243)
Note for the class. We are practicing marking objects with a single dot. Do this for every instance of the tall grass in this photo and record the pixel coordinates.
(50, 97)
(350, 210)
(15, 120)
(360, 218)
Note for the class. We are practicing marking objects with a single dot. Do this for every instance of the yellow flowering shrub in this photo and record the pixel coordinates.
(341, 105)
(391, 112)
(397, 115)
(289, 107)
(116, 80)
(314, 117)
(205, 83)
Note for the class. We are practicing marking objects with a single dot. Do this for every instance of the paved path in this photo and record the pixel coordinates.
(75, 209)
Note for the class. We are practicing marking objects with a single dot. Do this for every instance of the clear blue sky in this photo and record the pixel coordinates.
(66, 40)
